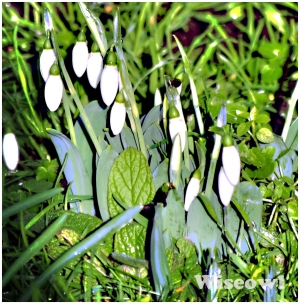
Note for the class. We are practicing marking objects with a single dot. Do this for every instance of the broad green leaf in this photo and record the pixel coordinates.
(130, 179)
(272, 50)
(285, 162)
(174, 214)
(75, 171)
(48, 171)
(97, 117)
(131, 240)
(270, 73)
(243, 128)
(104, 165)
(35, 186)
(161, 174)
(249, 197)
(265, 135)
(262, 118)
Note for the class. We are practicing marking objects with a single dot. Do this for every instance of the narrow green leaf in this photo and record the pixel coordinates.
(104, 165)
(81, 248)
(30, 202)
(159, 265)
(160, 174)
(153, 116)
(34, 248)
(74, 170)
(97, 117)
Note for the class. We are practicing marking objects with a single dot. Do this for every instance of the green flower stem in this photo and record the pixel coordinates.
(289, 117)
(55, 121)
(36, 121)
(212, 167)
(22, 228)
(93, 28)
(193, 87)
(68, 117)
(34, 248)
(73, 92)
(127, 87)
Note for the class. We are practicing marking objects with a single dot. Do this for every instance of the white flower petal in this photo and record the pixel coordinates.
(175, 160)
(232, 164)
(53, 92)
(225, 188)
(117, 117)
(46, 60)
(191, 192)
(177, 125)
(10, 151)
(94, 69)
(109, 83)
(80, 57)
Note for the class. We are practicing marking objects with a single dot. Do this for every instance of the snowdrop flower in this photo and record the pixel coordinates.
(54, 89)
(94, 66)
(192, 190)
(80, 55)
(10, 151)
(176, 125)
(109, 79)
(225, 188)
(47, 59)
(118, 114)
(231, 160)
(175, 161)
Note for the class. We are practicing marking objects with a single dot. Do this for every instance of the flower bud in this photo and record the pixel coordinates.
(47, 59)
(109, 79)
(118, 114)
(94, 66)
(175, 161)
(80, 55)
(192, 190)
(176, 125)
(54, 89)
(225, 188)
(231, 160)
(10, 151)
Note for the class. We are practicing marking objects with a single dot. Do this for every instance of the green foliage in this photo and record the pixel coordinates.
(124, 255)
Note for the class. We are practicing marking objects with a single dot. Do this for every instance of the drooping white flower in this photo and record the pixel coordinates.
(177, 125)
(47, 59)
(225, 188)
(231, 160)
(118, 114)
(80, 55)
(192, 190)
(10, 151)
(109, 79)
(175, 160)
(94, 66)
(54, 89)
